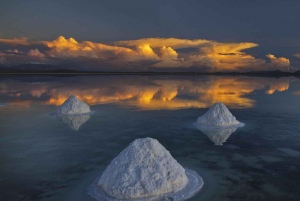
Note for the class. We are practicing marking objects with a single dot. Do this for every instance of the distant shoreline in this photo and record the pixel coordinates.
(78, 73)
(51, 70)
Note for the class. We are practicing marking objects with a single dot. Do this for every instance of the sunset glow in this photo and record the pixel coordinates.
(157, 94)
(148, 52)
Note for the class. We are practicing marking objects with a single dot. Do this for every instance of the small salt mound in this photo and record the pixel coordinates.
(145, 170)
(218, 115)
(74, 122)
(73, 106)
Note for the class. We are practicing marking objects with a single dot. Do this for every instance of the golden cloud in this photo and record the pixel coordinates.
(15, 41)
(160, 53)
(219, 56)
(281, 61)
(35, 53)
(168, 42)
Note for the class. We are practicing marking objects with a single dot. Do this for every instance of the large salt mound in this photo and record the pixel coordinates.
(145, 170)
(73, 106)
(218, 115)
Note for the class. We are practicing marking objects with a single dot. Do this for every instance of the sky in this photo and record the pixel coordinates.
(191, 35)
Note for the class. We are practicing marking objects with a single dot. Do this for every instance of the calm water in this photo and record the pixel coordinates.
(43, 157)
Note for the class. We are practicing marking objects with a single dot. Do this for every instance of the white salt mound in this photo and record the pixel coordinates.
(218, 115)
(73, 106)
(145, 170)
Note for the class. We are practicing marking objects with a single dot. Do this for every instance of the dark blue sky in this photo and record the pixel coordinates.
(229, 20)
(274, 25)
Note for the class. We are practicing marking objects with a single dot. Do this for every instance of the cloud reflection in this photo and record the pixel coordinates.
(297, 93)
(149, 93)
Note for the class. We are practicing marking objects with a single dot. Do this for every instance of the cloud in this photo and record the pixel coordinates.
(218, 56)
(62, 47)
(15, 57)
(168, 42)
(297, 55)
(35, 53)
(297, 93)
(15, 41)
(215, 55)
(154, 53)
(280, 62)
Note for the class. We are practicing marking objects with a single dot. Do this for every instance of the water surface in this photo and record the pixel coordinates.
(49, 158)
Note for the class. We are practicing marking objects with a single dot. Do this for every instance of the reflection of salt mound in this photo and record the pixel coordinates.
(217, 135)
(74, 122)
(145, 170)
(218, 115)
(73, 106)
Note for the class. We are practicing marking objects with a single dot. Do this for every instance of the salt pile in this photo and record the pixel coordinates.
(74, 122)
(145, 171)
(218, 115)
(73, 106)
(217, 135)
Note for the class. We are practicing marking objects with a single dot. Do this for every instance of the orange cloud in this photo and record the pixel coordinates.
(281, 61)
(71, 49)
(35, 53)
(217, 56)
(220, 56)
(15, 41)
(159, 53)
(168, 42)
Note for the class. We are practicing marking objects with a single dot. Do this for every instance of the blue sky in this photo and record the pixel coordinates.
(273, 25)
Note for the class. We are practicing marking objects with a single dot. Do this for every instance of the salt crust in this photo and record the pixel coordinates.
(144, 171)
(73, 106)
(218, 116)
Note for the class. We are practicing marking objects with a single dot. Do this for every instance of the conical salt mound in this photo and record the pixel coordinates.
(144, 169)
(73, 106)
(218, 115)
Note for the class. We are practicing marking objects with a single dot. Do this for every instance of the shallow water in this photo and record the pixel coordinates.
(43, 157)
